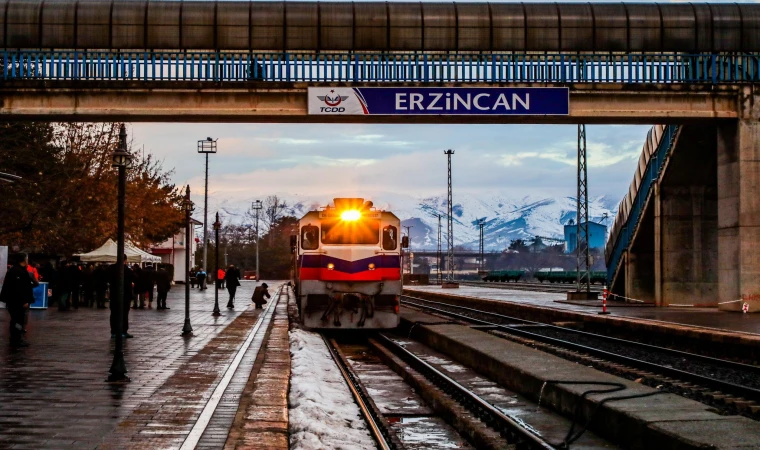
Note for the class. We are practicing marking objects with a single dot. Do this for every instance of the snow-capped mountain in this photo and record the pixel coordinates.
(506, 218)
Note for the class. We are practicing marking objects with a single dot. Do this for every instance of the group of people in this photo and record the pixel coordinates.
(76, 284)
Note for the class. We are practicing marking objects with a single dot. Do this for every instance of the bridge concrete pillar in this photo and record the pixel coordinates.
(639, 275)
(739, 212)
(686, 245)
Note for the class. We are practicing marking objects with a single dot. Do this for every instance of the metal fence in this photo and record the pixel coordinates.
(651, 175)
(380, 67)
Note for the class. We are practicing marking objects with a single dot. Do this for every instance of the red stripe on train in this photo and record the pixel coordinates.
(335, 275)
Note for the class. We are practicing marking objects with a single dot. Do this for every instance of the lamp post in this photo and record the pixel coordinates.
(187, 205)
(121, 159)
(205, 147)
(217, 226)
(257, 207)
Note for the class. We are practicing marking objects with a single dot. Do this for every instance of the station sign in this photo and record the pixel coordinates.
(456, 101)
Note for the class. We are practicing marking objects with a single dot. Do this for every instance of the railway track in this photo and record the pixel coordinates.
(475, 419)
(731, 386)
(527, 286)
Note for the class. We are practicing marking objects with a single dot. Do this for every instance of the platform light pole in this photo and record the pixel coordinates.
(256, 206)
(121, 159)
(410, 255)
(481, 225)
(217, 226)
(206, 146)
(187, 205)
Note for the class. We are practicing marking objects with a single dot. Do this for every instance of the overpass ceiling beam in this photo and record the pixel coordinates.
(380, 26)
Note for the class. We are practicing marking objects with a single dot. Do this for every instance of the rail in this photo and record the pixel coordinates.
(715, 382)
(628, 221)
(414, 67)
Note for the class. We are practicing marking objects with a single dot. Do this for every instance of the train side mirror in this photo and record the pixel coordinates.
(405, 242)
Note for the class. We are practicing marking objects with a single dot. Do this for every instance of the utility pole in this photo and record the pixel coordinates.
(481, 224)
(450, 229)
(410, 255)
(257, 207)
(438, 254)
(205, 147)
(582, 251)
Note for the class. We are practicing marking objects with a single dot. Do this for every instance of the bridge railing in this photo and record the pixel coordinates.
(380, 67)
(632, 207)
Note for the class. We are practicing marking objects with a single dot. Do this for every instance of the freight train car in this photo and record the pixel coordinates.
(347, 266)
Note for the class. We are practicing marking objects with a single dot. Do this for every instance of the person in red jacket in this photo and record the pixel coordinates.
(220, 278)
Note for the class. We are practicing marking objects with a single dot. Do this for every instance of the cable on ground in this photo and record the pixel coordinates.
(572, 435)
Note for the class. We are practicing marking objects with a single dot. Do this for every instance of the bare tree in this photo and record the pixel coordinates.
(274, 210)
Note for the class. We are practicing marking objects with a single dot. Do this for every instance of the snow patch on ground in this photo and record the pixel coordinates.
(322, 411)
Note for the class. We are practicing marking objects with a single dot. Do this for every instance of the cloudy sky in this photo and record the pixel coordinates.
(255, 160)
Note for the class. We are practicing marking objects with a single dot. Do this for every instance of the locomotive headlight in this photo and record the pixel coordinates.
(371, 266)
(330, 266)
(351, 215)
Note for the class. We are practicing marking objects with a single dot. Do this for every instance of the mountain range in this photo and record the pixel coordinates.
(506, 217)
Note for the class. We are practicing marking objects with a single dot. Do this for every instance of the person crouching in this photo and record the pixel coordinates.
(258, 295)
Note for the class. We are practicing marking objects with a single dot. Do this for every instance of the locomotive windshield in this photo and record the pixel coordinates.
(364, 231)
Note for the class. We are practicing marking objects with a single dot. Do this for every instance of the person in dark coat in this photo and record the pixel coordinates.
(17, 294)
(129, 280)
(75, 284)
(62, 288)
(232, 279)
(193, 274)
(258, 295)
(137, 272)
(88, 286)
(163, 286)
(147, 279)
(100, 281)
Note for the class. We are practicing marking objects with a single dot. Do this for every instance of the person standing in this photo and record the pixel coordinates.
(63, 287)
(258, 295)
(100, 281)
(88, 286)
(17, 294)
(163, 286)
(220, 274)
(201, 276)
(232, 279)
(146, 282)
(129, 280)
(75, 283)
(137, 272)
(193, 274)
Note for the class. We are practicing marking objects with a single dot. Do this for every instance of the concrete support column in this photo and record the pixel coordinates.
(739, 214)
(685, 245)
(639, 275)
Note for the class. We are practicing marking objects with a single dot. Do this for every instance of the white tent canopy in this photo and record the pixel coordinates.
(107, 253)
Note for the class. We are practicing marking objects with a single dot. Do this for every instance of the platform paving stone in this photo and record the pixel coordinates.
(53, 394)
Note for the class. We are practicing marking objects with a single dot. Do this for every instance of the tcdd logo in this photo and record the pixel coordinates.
(332, 101)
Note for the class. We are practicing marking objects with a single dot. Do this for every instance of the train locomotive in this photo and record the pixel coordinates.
(347, 266)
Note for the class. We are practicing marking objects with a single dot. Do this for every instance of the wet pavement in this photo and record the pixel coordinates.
(700, 317)
(53, 394)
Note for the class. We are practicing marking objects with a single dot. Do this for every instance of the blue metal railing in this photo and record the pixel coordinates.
(380, 67)
(651, 175)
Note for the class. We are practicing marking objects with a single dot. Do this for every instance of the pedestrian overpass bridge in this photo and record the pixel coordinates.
(688, 231)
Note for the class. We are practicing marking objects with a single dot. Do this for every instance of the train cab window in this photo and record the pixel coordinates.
(390, 237)
(310, 237)
(359, 232)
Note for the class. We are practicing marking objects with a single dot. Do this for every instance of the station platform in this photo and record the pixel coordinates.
(53, 394)
(710, 318)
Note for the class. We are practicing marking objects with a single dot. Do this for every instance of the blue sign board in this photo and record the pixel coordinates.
(528, 101)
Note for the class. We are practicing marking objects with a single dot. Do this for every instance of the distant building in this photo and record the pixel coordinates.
(172, 251)
(597, 234)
